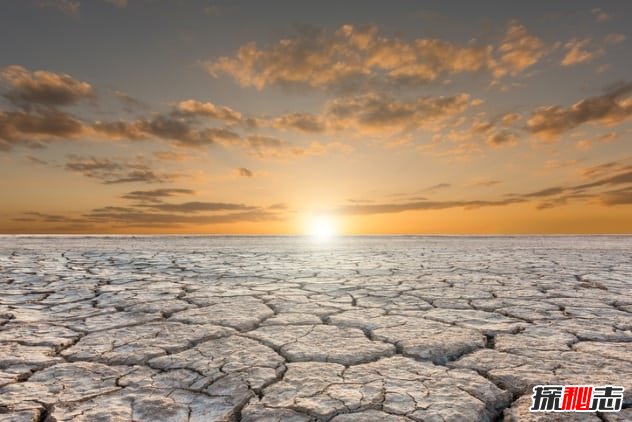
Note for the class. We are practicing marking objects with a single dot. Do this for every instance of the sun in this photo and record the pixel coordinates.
(322, 227)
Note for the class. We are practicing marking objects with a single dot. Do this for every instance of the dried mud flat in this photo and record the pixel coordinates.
(288, 329)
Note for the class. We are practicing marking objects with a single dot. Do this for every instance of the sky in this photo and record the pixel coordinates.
(292, 117)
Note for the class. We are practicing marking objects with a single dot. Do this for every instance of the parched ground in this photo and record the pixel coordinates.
(289, 329)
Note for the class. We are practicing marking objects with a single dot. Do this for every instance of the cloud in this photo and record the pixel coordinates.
(244, 172)
(509, 119)
(45, 88)
(617, 197)
(607, 109)
(129, 217)
(115, 172)
(578, 52)
(600, 15)
(313, 58)
(124, 217)
(156, 195)
(351, 58)
(265, 147)
(302, 122)
(34, 130)
(486, 183)
(439, 186)
(373, 113)
(67, 7)
(604, 169)
(502, 138)
(34, 160)
(119, 130)
(197, 108)
(167, 127)
(196, 207)
(614, 38)
(171, 156)
(624, 177)
(130, 103)
(387, 208)
(518, 51)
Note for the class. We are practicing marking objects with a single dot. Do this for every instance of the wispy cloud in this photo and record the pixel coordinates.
(609, 175)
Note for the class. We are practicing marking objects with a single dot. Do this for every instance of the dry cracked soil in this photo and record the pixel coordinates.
(290, 329)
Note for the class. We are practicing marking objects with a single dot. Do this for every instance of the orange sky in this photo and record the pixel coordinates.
(202, 117)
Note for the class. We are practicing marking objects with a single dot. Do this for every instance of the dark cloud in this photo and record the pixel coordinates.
(244, 172)
(115, 172)
(168, 127)
(487, 183)
(544, 192)
(385, 208)
(130, 103)
(170, 156)
(439, 186)
(141, 176)
(372, 113)
(303, 122)
(41, 87)
(617, 197)
(502, 138)
(119, 130)
(156, 195)
(603, 169)
(197, 207)
(138, 218)
(267, 146)
(178, 215)
(34, 160)
(609, 108)
(30, 216)
(20, 128)
(617, 179)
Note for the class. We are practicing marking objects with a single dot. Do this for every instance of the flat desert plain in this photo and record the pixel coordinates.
(295, 329)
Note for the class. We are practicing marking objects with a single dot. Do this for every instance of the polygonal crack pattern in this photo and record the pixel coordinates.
(287, 329)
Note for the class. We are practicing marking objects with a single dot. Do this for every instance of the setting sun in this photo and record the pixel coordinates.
(322, 227)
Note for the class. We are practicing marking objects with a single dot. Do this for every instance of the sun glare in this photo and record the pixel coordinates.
(322, 227)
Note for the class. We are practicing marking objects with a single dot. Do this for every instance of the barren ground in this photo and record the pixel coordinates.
(290, 329)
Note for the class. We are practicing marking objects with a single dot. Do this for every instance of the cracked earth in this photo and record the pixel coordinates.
(288, 329)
